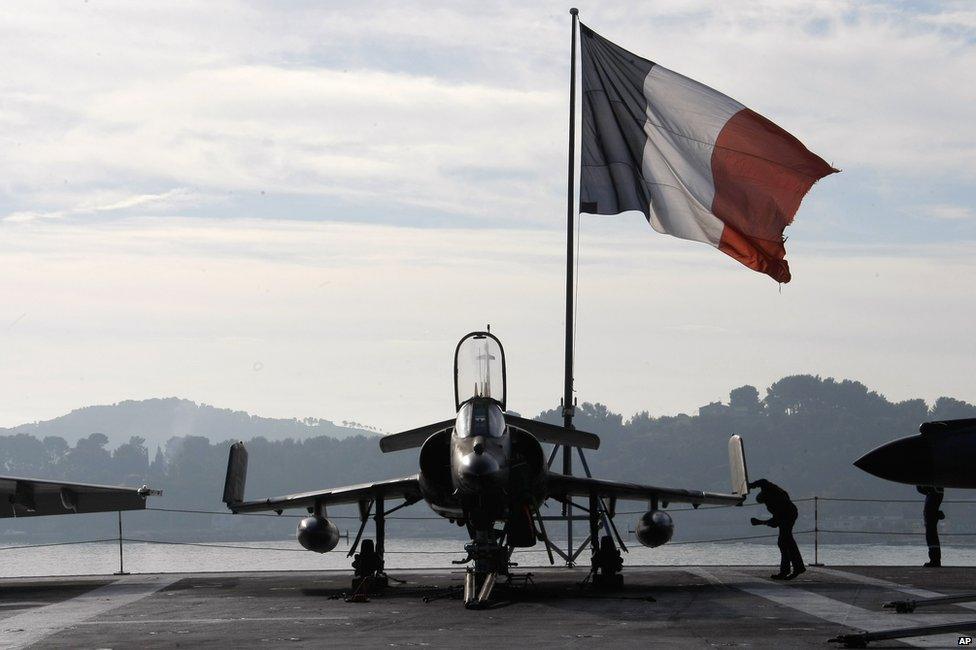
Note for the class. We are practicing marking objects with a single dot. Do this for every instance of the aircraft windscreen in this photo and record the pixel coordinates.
(480, 419)
(479, 369)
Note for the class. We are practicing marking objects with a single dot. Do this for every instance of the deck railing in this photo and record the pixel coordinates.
(817, 503)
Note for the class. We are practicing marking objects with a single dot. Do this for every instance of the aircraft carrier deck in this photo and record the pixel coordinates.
(661, 607)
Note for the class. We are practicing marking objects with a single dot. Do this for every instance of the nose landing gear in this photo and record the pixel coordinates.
(491, 559)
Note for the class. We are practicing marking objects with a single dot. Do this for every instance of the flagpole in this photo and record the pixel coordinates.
(570, 214)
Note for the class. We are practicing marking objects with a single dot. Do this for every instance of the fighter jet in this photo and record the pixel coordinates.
(942, 455)
(31, 497)
(484, 469)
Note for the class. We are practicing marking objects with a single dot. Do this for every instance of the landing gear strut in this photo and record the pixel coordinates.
(490, 560)
(606, 564)
(369, 564)
(605, 561)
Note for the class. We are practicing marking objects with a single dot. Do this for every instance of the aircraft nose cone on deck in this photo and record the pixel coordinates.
(908, 460)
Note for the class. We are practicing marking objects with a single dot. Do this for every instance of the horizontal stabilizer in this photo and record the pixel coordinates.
(947, 426)
(413, 438)
(551, 433)
(236, 474)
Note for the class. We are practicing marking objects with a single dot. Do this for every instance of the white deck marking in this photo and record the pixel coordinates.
(29, 627)
(702, 572)
(832, 610)
(887, 584)
(212, 621)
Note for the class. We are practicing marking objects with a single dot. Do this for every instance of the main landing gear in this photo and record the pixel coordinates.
(606, 562)
(369, 575)
(368, 564)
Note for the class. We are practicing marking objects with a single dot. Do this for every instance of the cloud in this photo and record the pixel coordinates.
(949, 211)
(457, 110)
(168, 200)
(180, 182)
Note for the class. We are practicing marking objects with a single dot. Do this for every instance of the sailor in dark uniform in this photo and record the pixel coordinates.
(932, 515)
(784, 515)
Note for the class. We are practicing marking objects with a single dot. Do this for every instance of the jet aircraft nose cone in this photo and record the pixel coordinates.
(478, 464)
(478, 472)
(908, 460)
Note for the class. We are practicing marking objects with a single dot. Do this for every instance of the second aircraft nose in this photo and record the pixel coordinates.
(907, 460)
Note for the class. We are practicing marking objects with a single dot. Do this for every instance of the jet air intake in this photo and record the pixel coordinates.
(654, 528)
(318, 534)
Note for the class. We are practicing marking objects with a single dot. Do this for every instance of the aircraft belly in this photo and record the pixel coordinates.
(446, 511)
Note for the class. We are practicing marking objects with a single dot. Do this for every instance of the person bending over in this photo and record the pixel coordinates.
(784, 515)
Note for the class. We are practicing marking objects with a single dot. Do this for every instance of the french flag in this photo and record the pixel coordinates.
(697, 163)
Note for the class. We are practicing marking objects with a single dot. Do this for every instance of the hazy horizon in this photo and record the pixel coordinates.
(365, 427)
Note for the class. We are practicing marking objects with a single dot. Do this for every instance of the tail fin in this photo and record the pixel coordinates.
(236, 475)
(737, 464)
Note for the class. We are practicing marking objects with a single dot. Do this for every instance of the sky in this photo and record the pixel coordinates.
(298, 209)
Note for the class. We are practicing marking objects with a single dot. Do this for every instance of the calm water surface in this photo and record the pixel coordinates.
(103, 558)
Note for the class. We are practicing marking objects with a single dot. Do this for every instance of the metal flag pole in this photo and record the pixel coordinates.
(570, 215)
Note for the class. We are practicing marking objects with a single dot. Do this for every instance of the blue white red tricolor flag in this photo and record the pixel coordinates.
(697, 163)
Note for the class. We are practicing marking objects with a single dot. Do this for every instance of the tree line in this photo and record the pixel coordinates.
(803, 433)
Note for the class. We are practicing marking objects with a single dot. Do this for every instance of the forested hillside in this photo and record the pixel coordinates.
(803, 433)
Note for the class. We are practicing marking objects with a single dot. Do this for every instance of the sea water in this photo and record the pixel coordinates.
(137, 557)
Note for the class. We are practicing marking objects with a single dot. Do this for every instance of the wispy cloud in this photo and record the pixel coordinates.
(949, 211)
(147, 202)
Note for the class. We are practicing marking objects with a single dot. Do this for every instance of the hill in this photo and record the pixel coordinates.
(158, 420)
(803, 434)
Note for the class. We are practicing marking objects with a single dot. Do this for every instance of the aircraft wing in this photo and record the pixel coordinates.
(29, 497)
(562, 486)
(407, 488)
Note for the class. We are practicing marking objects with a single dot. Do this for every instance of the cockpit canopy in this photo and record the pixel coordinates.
(479, 417)
(479, 369)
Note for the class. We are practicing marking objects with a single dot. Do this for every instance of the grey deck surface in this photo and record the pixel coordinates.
(688, 607)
